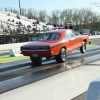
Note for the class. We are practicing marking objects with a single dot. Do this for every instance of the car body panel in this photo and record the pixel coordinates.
(53, 47)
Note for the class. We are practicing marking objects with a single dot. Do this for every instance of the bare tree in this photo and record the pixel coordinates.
(62, 16)
(23, 12)
(32, 13)
(76, 18)
(15, 11)
(69, 15)
(55, 15)
(81, 18)
(42, 15)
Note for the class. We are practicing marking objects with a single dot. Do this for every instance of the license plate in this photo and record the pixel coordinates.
(35, 55)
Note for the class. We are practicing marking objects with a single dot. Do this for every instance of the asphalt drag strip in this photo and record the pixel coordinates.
(3, 53)
(23, 63)
(25, 72)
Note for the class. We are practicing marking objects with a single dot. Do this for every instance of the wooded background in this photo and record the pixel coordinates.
(83, 18)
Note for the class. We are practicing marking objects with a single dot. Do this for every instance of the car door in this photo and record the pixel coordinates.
(72, 40)
(75, 41)
(69, 40)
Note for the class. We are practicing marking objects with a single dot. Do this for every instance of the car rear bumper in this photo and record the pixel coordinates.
(40, 53)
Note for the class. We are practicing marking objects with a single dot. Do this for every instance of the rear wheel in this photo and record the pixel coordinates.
(36, 60)
(62, 56)
(83, 47)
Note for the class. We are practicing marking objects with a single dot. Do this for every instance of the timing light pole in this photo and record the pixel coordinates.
(19, 7)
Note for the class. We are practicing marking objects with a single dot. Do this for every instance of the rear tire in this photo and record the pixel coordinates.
(36, 60)
(62, 56)
(83, 47)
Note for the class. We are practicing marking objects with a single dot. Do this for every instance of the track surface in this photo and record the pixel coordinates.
(19, 73)
(3, 53)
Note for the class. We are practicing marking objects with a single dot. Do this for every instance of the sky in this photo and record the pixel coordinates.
(50, 5)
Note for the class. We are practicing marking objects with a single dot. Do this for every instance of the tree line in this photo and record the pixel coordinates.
(83, 18)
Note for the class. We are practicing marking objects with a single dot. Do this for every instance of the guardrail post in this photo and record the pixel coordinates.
(23, 30)
(10, 31)
(23, 35)
(39, 30)
(10, 39)
(4, 39)
(28, 30)
(1, 23)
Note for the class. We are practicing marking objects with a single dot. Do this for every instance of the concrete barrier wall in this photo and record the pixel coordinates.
(94, 37)
(11, 46)
(93, 92)
(17, 45)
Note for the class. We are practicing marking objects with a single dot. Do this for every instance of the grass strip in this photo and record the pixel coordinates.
(88, 45)
(5, 59)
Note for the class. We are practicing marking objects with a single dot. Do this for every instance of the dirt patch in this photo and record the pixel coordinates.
(80, 97)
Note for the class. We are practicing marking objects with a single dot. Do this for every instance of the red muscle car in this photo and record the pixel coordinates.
(54, 43)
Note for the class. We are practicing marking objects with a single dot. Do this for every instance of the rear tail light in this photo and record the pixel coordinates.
(21, 48)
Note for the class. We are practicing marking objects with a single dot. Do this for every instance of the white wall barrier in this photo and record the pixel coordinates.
(93, 92)
(11, 46)
(94, 37)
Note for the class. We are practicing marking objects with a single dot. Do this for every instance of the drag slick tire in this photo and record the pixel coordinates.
(83, 47)
(36, 60)
(62, 56)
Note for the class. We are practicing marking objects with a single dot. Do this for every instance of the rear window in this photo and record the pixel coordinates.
(49, 36)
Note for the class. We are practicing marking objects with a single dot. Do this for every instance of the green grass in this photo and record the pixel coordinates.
(90, 45)
(5, 59)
